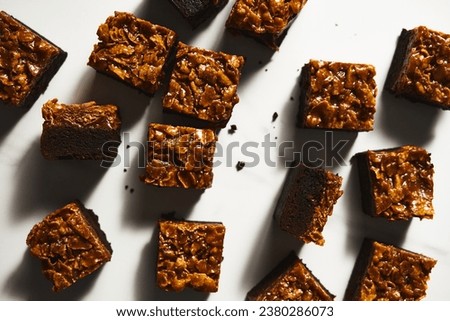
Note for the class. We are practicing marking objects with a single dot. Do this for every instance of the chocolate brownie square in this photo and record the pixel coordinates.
(420, 69)
(338, 96)
(189, 255)
(70, 245)
(290, 280)
(80, 131)
(265, 20)
(197, 11)
(204, 84)
(397, 183)
(306, 201)
(385, 272)
(180, 156)
(28, 62)
(133, 50)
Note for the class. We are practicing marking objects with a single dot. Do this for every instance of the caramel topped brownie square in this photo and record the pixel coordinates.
(189, 255)
(80, 131)
(28, 62)
(133, 50)
(290, 280)
(336, 95)
(70, 245)
(397, 183)
(197, 11)
(267, 21)
(204, 84)
(420, 69)
(307, 199)
(388, 273)
(180, 156)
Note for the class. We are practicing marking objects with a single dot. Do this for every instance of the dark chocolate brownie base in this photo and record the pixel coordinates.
(365, 181)
(304, 93)
(198, 11)
(82, 143)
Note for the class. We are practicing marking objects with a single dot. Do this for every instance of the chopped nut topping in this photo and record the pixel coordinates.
(180, 156)
(69, 244)
(339, 96)
(81, 115)
(266, 19)
(132, 50)
(395, 274)
(24, 58)
(189, 255)
(204, 84)
(402, 180)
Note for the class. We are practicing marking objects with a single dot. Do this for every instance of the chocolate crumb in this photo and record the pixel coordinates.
(292, 98)
(266, 70)
(126, 187)
(124, 170)
(131, 190)
(232, 129)
(128, 146)
(274, 116)
(240, 165)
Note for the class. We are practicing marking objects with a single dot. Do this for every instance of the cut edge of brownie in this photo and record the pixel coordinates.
(281, 268)
(197, 17)
(40, 83)
(359, 269)
(398, 60)
(365, 182)
(305, 76)
(301, 225)
(93, 221)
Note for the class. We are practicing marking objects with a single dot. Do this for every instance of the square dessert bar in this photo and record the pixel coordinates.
(420, 69)
(265, 20)
(80, 131)
(189, 255)
(197, 11)
(290, 280)
(387, 273)
(306, 201)
(28, 62)
(397, 183)
(204, 84)
(336, 95)
(180, 156)
(133, 50)
(70, 244)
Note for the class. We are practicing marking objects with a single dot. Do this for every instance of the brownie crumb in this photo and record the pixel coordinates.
(128, 146)
(240, 165)
(232, 129)
(292, 98)
(266, 70)
(126, 187)
(131, 190)
(274, 116)
(124, 170)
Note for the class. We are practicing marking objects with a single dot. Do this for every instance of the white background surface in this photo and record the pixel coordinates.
(346, 30)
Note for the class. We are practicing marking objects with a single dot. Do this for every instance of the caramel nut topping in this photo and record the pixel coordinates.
(204, 84)
(264, 16)
(402, 182)
(189, 255)
(341, 96)
(132, 50)
(395, 274)
(24, 56)
(81, 115)
(427, 69)
(180, 156)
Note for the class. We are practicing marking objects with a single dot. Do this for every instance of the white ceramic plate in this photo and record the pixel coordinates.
(346, 30)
